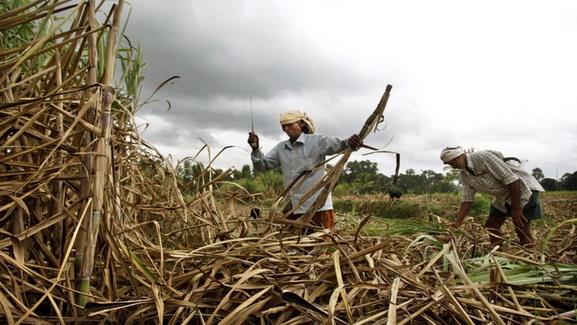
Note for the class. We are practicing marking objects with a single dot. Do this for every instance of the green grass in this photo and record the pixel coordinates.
(418, 213)
(380, 208)
(391, 227)
(559, 194)
(410, 206)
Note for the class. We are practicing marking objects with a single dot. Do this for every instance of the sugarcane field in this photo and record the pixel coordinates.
(100, 226)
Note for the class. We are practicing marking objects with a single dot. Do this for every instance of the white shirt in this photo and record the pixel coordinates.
(308, 151)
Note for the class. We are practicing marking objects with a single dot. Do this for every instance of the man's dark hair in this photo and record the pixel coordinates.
(305, 127)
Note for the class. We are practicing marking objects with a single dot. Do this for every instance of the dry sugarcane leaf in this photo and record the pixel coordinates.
(341, 284)
(462, 314)
(234, 316)
(158, 302)
(461, 273)
(392, 314)
(56, 308)
(413, 316)
(21, 204)
(372, 318)
(6, 309)
(244, 277)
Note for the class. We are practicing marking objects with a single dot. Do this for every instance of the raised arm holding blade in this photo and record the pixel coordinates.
(254, 141)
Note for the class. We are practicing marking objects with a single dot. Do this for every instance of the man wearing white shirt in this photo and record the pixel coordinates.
(302, 151)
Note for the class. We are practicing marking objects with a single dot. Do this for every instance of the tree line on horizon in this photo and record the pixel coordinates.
(359, 177)
(567, 182)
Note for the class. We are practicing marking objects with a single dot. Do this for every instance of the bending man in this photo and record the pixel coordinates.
(302, 151)
(515, 192)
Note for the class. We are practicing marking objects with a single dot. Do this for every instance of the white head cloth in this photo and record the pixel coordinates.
(451, 153)
(294, 115)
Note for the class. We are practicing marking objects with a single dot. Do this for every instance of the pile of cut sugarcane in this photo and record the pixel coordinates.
(287, 279)
(94, 228)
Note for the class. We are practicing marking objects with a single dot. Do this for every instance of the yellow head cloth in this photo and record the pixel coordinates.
(293, 115)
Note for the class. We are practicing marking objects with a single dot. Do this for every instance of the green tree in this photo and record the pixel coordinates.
(409, 182)
(428, 181)
(549, 184)
(538, 174)
(383, 182)
(185, 171)
(246, 172)
(364, 184)
(569, 181)
(356, 168)
(363, 178)
(438, 183)
(272, 181)
(191, 176)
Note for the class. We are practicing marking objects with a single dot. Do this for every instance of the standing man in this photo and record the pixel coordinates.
(302, 152)
(515, 192)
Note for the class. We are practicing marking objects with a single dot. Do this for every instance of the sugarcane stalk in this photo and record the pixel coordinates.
(85, 260)
(329, 181)
(57, 205)
(103, 150)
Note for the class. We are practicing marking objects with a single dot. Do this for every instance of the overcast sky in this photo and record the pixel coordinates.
(496, 75)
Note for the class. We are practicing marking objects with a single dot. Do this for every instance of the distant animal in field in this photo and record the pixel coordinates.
(395, 195)
(254, 213)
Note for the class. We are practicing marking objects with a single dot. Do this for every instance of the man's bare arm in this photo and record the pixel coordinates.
(463, 212)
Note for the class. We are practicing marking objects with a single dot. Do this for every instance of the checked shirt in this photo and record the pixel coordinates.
(490, 174)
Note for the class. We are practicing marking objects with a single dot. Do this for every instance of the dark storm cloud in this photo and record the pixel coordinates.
(226, 56)
(232, 52)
